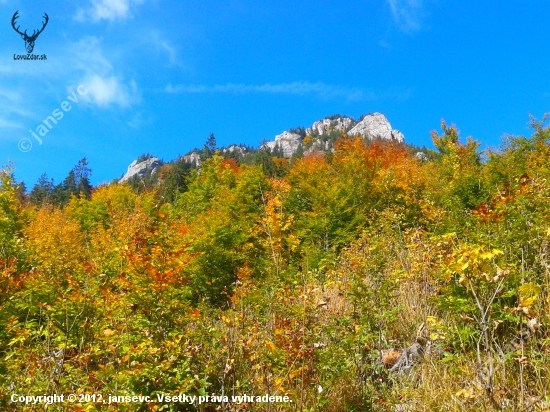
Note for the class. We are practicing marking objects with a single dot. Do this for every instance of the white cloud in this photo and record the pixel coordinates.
(169, 50)
(407, 14)
(106, 91)
(96, 73)
(6, 124)
(84, 62)
(325, 91)
(14, 108)
(163, 46)
(89, 56)
(107, 10)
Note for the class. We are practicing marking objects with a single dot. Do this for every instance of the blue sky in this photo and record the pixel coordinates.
(162, 75)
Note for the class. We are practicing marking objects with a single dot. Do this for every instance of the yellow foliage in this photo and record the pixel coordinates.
(528, 294)
(56, 241)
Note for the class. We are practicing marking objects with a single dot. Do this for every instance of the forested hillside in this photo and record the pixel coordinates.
(362, 279)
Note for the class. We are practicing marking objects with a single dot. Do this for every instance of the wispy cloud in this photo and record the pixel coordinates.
(96, 73)
(107, 91)
(408, 14)
(302, 88)
(163, 46)
(107, 10)
(84, 62)
(6, 124)
(14, 108)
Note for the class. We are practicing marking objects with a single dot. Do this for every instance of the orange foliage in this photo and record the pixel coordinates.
(231, 164)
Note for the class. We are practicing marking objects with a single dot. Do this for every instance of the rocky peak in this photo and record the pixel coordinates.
(375, 125)
(193, 158)
(141, 167)
(235, 148)
(288, 142)
(327, 124)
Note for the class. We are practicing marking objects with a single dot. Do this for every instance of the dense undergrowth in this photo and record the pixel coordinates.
(298, 283)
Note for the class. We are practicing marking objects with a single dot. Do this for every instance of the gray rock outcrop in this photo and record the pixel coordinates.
(324, 126)
(234, 148)
(141, 168)
(375, 125)
(288, 142)
(193, 158)
(372, 126)
(421, 156)
(318, 145)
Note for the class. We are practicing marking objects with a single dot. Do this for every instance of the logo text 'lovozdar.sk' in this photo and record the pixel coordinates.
(29, 40)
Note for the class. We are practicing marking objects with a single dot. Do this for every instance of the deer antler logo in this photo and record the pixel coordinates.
(29, 40)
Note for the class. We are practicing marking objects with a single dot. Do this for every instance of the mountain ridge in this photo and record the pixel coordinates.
(318, 137)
